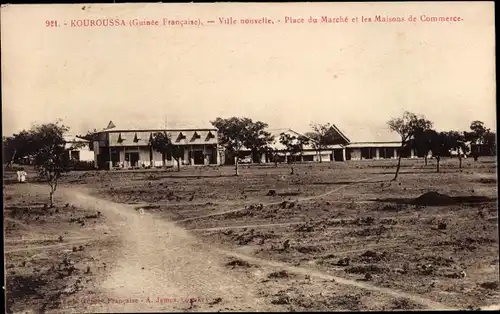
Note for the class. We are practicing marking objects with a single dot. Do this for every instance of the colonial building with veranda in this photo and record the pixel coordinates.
(127, 148)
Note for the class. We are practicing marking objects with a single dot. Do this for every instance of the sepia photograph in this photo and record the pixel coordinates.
(249, 157)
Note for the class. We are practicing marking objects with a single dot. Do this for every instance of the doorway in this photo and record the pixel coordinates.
(132, 158)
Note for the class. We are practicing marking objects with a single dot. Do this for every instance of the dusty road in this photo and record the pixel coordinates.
(161, 267)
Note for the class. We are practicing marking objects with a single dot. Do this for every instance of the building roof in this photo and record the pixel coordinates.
(152, 126)
(277, 132)
(365, 134)
(74, 139)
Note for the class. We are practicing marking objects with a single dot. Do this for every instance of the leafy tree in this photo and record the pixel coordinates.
(294, 145)
(322, 136)
(45, 145)
(18, 147)
(457, 141)
(480, 136)
(274, 153)
(90, 136)
(238, 133)
(406, 126)
(421, 142)
(257, 139)
(51, 157)
(162, 142)
(490, 141)
(440, 146)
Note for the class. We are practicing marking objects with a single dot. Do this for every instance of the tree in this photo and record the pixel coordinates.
(256, 138)
(274, 153)
(90, 136)
(490, 141)
(421, 142)
(480, 136)
(294, 145)
(322, 136)
(440, 146)
(406, 126)
(18, 147)
(457, 141)
(162, 142)
(236, 133)
(46, 146)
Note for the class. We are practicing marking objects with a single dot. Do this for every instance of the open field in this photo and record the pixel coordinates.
(333, 236)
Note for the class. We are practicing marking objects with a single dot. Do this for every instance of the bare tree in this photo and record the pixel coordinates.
(406, 126)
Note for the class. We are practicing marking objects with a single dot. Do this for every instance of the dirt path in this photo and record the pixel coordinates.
(160, 260)
(360, 284)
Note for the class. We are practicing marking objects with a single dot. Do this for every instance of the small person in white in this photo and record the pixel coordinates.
(21, 175)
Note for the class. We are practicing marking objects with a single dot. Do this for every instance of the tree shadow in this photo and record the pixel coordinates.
(442, 200)
(346, 182)
(194, 176)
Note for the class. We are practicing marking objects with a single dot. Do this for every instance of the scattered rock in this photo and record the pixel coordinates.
(279, 274)
(238, 262)
(491, 285)
(216, 301)
(442, 226)
(281, 299)
(286, 245)
(271, 193)
(345, 261)
(404, 304)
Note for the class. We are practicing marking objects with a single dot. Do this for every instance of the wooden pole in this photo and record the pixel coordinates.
(109, 158)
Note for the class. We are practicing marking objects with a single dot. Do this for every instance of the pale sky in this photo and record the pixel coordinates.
(355, 75)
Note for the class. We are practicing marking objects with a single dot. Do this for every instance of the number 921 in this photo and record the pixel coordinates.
(51, 23)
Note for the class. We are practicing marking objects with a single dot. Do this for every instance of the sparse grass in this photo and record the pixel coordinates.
(353, 223)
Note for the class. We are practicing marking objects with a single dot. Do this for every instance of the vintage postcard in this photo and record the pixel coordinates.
(249, 157)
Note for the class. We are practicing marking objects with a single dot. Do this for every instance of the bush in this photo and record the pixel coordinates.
(77, 165)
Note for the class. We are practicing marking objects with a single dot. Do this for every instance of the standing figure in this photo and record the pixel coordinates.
(21, 175)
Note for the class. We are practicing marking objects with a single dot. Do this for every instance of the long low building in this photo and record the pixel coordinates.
(343, 149)
(115, 148)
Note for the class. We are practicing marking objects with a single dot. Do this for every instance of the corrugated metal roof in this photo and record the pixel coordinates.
(74, 139)
(155, 124)
(359, 134)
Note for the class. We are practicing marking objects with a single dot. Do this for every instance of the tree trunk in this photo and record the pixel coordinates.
(438, 158)
(398, 167)
(51, 199)
(178, 164)
(320, 158)
(163, 160)
(236, 165)
(425, 159)
(51, 195)
(460, 161)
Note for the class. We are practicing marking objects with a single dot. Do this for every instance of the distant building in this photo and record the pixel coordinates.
(116, 148)
(376, 146)
(79, 149)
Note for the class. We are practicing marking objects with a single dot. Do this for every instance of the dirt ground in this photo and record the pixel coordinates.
(332, 236)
